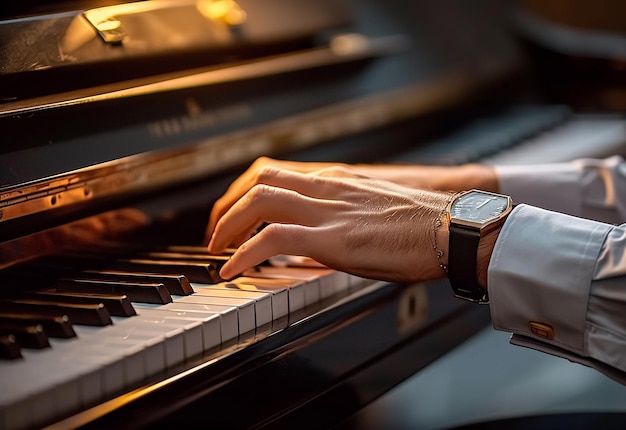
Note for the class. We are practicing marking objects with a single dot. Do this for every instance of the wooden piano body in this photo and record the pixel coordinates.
(137, 117)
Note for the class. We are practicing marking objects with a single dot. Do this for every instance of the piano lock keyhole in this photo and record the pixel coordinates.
(413, 308)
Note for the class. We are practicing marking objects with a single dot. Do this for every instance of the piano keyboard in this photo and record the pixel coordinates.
(110, 344)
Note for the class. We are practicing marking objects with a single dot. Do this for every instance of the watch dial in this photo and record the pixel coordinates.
(478, 207)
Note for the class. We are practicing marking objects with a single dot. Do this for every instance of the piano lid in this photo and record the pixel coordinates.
(72, 49)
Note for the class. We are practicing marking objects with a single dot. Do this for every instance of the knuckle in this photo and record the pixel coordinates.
(259, 191)
(258, 163)
(275, 233)
(267, 173)
(337, 171)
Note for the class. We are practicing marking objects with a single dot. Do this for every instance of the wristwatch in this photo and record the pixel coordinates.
(471, 214)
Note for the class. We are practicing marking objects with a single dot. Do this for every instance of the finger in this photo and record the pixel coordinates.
(260, 172)
(273, 240)
(315, 182)
(221, 205)
(319, 184)
(238, 239)
(267, 204)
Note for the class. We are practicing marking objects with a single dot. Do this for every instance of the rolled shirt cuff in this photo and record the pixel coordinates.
(541, 271)
(535, 185)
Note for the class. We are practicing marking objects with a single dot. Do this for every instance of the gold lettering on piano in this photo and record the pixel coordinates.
(199, 119)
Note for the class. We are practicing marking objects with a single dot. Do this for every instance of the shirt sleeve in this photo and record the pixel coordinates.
(557, 279)
(588, 188)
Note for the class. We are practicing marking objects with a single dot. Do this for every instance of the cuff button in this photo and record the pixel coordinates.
(542, 330)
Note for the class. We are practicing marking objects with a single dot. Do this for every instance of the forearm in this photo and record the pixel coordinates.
(450, 178)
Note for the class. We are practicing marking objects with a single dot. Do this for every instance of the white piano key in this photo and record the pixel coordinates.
(151, 339)
(146, 326)
(229, 317)
(245, 308)
(279, 296)
(101, 359)
(295, 288)
(285, 260)
(317, 281)
(262, 301)
(209, 324)
(357, 282)
(109, 364)
(133, 355)
(145, 348)
(176, 334)
(49, 379)
(135, 361)
(26, 379)
(328, 279)
(343, 281)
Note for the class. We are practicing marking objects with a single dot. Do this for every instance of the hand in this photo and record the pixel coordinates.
(252, 176)
(367, 227)
(453, 178)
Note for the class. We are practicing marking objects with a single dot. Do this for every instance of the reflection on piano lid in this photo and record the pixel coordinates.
(89, 46)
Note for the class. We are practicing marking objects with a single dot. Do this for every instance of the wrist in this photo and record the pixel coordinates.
(483, 256)
(442, 237)
(485, 249)
(475, 220)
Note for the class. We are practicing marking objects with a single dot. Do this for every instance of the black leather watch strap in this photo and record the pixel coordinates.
(462, 259)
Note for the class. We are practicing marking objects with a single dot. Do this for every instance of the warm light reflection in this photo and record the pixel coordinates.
(102, 15)
(105, 226)
(109, 25)
(226, 11)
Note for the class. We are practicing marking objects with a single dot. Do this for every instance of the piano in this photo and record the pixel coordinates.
(122, 122)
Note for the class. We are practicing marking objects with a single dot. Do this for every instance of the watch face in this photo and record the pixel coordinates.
(479, 207)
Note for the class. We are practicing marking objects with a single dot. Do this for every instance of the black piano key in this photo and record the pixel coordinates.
(117, 304)
(55, 326)
(181, 253)
(218, 260)
(129, 249)
(191, 249)
(198, 266)
(86, 314)
(136, 292)
(175, 284)
(196, 272)
(189, 253)
(9, 348)
(27, 336)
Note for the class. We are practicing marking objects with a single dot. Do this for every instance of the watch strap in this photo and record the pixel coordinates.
(462, 252)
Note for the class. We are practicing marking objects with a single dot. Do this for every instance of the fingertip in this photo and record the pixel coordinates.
(212, 248)
(225, 272)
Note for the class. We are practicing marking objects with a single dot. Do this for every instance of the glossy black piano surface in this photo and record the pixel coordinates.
(121, 126)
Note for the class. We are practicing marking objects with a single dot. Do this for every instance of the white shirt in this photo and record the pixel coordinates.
(563, 267)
